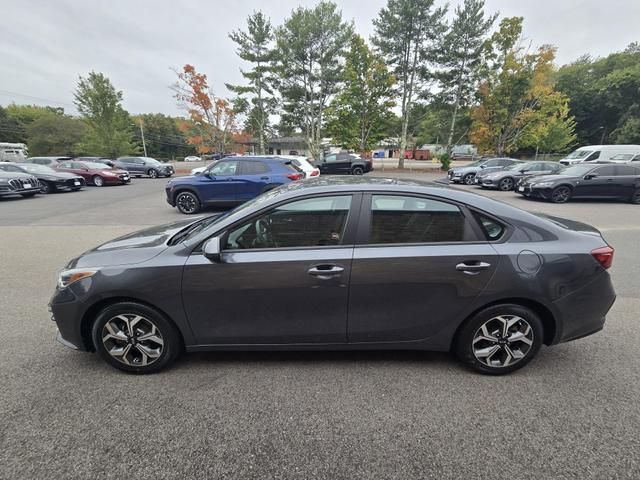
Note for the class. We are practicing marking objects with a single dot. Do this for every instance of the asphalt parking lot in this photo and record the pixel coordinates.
(574, 412)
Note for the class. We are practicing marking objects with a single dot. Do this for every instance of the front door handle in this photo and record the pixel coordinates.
(472, 268)
(325, 272)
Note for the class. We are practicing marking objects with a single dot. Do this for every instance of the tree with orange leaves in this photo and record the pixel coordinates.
(212, 121)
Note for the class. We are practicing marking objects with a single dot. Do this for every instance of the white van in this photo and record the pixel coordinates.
(13, 152)
(613, 153)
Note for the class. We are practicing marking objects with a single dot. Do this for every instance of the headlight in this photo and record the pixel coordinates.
(109, 174)
(4, 180)
(542, 184)
(67, 277)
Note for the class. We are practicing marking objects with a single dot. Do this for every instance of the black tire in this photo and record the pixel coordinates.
(470, 353)
(561, 194)
(28, 195)
(357, 170)
(153, 173)
(506, 184)
(187, 203)
(469, 178)
(98, 181)
(47, 187)
(635, 197)
(168, 350)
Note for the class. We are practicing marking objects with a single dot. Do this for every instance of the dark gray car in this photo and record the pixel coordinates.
(341, 263)
(467, 173)
(139, 166)
(507, 178)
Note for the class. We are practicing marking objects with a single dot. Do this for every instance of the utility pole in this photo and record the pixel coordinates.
(144, 145)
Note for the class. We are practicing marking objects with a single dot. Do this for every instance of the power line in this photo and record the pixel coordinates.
(7, 92)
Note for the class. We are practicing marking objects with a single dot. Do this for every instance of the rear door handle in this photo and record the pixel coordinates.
(325, 272)
(472, 268)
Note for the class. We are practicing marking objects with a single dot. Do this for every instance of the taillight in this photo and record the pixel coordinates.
(315, 172)
(295, 176)
(604, 256)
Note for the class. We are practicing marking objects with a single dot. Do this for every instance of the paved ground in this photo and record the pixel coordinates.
(573, 413)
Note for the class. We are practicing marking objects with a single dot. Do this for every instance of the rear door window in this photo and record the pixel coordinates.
(253, 168)
(406, 219)
(607, 171)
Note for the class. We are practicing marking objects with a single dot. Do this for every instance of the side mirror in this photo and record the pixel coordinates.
(483, 166)
(211, 249)
(589, 176)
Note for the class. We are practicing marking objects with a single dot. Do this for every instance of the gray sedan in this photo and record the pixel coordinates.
(341, 263)
(467, 173)
(507, 178)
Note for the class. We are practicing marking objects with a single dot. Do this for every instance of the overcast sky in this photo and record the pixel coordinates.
(46, 44)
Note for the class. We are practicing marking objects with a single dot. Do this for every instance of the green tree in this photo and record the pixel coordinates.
(163, 137)
(519, 97)
(407, 34)
(10, 129)
(108, 124)
(358, 115)
(462, 58)
(55, 135)
(310, 47)
(255, 46)
(604, 96)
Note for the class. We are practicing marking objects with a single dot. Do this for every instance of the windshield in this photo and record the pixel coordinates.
(97, 166)
(477, 163)
(579, 154)
(576, 170)
(35, 168)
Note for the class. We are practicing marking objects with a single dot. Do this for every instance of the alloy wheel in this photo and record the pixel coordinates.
(153, 173)
(468, 179)
(502, 341)
(560, 195)
(357, 171)
(98, 181)
(132, 340)
(187, 203)
(635, 198)
(45, 187)
(506, 184)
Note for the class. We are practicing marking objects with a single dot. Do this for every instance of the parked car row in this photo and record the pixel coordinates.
(556, 183)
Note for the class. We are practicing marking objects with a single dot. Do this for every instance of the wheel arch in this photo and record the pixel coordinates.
(549, 322)
(92, 312)
(186, 188)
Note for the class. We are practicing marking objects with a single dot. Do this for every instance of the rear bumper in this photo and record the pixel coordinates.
(584, 311)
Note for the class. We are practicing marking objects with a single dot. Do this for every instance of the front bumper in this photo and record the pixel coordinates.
(121, 179)
(67, 312)
(534, 192)
(18, 191)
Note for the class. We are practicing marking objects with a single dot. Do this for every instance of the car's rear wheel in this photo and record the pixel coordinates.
(635, 197)
(499, 339)
(468, 179)
(153, 173)
(98, 181)
(188, 203)
(135, 338)
(506, 184)
(357, 170)
(46, 187)
(561, 194)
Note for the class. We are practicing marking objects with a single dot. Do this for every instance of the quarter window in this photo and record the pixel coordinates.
(492, 229)
(314, 222)
(403, 219)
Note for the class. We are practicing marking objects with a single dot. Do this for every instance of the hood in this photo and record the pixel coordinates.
(130, 249)
(503, 173)
(10, 175)
(548, 178)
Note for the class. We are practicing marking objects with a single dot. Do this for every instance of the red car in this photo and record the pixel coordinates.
(97, 174)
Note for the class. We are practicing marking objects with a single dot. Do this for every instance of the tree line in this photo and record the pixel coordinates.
(419, 79)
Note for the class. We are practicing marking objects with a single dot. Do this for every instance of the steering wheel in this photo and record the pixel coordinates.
(263, 233)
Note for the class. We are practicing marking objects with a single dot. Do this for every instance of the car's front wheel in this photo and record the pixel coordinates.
(561, 194)
(499, 339)
(46, 187)
(98, 181)
(357, 171)
(635, 197)
(187, 203)
(136, 338)
(468, 179)
(506, 184)
(153, 173)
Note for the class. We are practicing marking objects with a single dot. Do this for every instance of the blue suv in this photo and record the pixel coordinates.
(230, 181)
